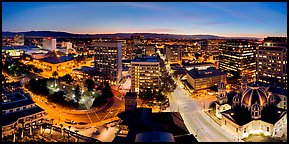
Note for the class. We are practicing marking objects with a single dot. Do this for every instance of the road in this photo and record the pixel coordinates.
(195, 119)
(197, 122)
(92, 116)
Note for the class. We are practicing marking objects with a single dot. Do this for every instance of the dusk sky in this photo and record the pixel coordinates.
(257, 19)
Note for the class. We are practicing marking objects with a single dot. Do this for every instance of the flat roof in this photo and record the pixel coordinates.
(55, 60)
(131, 94)
(210, 72)
(155, 136)
(146, 59)
(17, 100)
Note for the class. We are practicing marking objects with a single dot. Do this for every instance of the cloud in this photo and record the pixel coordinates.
(233, 13)
(143, 5)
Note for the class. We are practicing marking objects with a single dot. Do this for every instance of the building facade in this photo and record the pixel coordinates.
(49, 43)
(173, 53)
(145, 74)
(253, 111)
(203, 79)
(19, 110)
(108, 61)
(238, 56)
(272, 62)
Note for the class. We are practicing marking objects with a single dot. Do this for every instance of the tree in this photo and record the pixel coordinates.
(89, 84)
(98, 101)
(197, 55)
(214, 88)
(77, 93)
(106, 91)
(57, 97)
(67, 78)
(54, 74)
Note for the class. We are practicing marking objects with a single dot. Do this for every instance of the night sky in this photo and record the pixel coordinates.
(258, 19)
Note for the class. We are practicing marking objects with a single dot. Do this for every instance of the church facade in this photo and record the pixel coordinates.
(251, 110)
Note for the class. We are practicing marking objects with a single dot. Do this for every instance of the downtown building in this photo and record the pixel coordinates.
(173, 53)
(145, 74)
(203, 79)
(18, 40)
(49, 43)
(238, 56)
(272, 62)
(108, 61)
(19, 110)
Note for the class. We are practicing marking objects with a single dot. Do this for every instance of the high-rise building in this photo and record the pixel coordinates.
(272, 62)
(237, 57)
(49, 43)
(145, 73)
(107, 61)
(19, 40)
(173, 53)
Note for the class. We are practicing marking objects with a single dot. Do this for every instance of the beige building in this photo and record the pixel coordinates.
(203, 79)
(272, 62)
(58, 64)
(173, 53)
(253, 111)
(108, 61)
(145, 74)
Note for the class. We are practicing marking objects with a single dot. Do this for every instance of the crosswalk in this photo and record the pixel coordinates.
(25, 80)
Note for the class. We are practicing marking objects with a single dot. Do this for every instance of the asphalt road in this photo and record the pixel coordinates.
(197, 122)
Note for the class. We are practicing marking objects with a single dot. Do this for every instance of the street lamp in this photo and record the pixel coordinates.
(111, 116)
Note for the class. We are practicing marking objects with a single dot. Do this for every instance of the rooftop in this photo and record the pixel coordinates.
(131, 94)
(154, 137)
(143, 120)
(55, 60)
(242, 116)
(210, 72)
(16, 100)
(146, 59)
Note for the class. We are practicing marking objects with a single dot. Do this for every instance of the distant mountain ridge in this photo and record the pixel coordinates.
(58, 34)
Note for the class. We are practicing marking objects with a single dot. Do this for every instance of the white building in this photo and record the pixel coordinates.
(253, 111)
(49, 43)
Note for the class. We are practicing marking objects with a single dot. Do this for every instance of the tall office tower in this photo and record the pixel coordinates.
(49, 43)
(237, 57)
(145, 73)
(19, 40)
(272, 62)
(107, 61)
(173, 53)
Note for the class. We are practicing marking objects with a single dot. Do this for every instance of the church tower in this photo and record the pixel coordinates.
(222, 96)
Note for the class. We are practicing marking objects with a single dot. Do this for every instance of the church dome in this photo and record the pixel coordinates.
(244, 79)
(254, 94)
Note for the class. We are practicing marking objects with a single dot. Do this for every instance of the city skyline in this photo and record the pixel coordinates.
(254, 19)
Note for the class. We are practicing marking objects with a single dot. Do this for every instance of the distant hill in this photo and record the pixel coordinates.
(57, 34)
